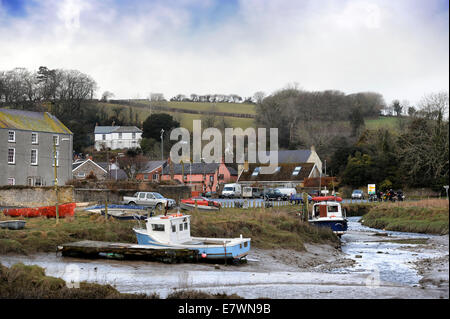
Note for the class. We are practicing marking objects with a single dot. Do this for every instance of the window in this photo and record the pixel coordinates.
(296, 170)
(145, 176)
(256, 171)
(141, 195)
(120, 135)
(11, 155)
(11, 181)
(185, 226)
(103, 136)
(81, 175)
(34, 157)
(34, 138)
(174, 228)
(150, 196)
(246, 244)
(332, 209)
(55, 139)
(181, 227)
(155, 177)
(157, 227)
(211, 178)
(37, 181)
(133, 135)
(11, 136)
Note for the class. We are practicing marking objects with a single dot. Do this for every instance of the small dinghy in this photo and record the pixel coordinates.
(13, 224)
(125, 214)
(201, 203)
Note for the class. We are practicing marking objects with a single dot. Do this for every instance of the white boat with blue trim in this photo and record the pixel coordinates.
(327, 212)
(174, 231)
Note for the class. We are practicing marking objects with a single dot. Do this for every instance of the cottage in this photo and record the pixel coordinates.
(117, 137)
(202, 177)
(85, 168)
(152, 171)
(285, 175)
(32, 142)
(297, 156)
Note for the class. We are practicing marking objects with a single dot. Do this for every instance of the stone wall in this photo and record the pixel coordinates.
(29, 196)
(176, 192)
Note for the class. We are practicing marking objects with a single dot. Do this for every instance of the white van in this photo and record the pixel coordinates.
(231, 191)
(287, 192)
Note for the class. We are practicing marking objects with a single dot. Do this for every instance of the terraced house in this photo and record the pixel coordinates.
(28, 142)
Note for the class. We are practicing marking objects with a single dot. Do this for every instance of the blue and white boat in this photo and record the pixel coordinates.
(174, 231)
(327, 212)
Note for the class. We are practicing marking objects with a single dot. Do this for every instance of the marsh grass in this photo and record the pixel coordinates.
(268, 228)
(41, 234)
(425, 216)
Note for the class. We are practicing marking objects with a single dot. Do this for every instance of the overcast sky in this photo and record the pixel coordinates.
(397, 48)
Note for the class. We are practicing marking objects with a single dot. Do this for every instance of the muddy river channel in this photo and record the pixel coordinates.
(369, 264)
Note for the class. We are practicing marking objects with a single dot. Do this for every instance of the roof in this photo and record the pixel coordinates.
(31, 121)
(116, 129)
(121, 175)
(291, 156)
(284, 174)
(151, 166)
(194, 168)
(232, 170)
(76, 165)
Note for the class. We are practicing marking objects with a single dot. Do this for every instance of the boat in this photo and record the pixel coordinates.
(125, 214)
(174, 231)
(327, 212)
(199, 202)
(13, 224)
(64, 210)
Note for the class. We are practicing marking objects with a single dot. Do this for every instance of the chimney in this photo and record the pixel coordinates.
(113, 122)
(313, 148)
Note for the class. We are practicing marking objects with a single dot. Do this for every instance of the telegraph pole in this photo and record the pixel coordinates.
(56, 181)
(162, 144)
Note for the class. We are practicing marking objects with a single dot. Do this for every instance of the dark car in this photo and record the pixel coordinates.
(274, 194)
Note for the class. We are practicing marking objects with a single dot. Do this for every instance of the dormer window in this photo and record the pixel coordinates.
(256, 171)
(296, 171)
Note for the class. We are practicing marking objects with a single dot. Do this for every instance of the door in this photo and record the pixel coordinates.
(323, 210)
(141, 199)
(150, 200)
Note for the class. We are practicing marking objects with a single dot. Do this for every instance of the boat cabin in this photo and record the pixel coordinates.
(174, 228)
(327, 207)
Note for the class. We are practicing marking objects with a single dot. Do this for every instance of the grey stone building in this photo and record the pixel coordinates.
(83, 169)
(27, 140)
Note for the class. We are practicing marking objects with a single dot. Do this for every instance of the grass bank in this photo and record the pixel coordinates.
(23, 281)
(358, 209)
(269, 228)
(425, 216)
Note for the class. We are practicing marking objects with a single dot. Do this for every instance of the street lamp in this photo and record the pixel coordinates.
(162, 144)
(56, 174)
(446, 190)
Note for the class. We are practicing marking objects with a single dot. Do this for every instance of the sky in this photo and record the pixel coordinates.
(131, 48)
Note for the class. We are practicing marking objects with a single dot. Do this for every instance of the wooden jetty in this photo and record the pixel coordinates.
(98, 249)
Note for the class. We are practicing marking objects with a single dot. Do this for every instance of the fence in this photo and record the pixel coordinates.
(256, 204)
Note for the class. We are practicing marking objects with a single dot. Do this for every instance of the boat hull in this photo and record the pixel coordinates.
(13, 224)
(199, 207)
(122, 214)
(339, 226)
(64, 210)
(209, 252)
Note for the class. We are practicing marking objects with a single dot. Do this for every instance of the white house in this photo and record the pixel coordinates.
(117, 137)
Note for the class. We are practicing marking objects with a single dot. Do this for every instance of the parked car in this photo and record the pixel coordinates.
(274, 194)
(358, 194)
(151, 199)
(210, 194)
(298, 198)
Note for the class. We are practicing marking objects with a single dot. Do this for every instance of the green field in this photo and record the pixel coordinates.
(185, 119)
(240, 108)
(382, 122)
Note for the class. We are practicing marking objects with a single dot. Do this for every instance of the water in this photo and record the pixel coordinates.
(391, 262)
(380, 263)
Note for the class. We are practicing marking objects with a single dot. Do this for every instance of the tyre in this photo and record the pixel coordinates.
(132, 203)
